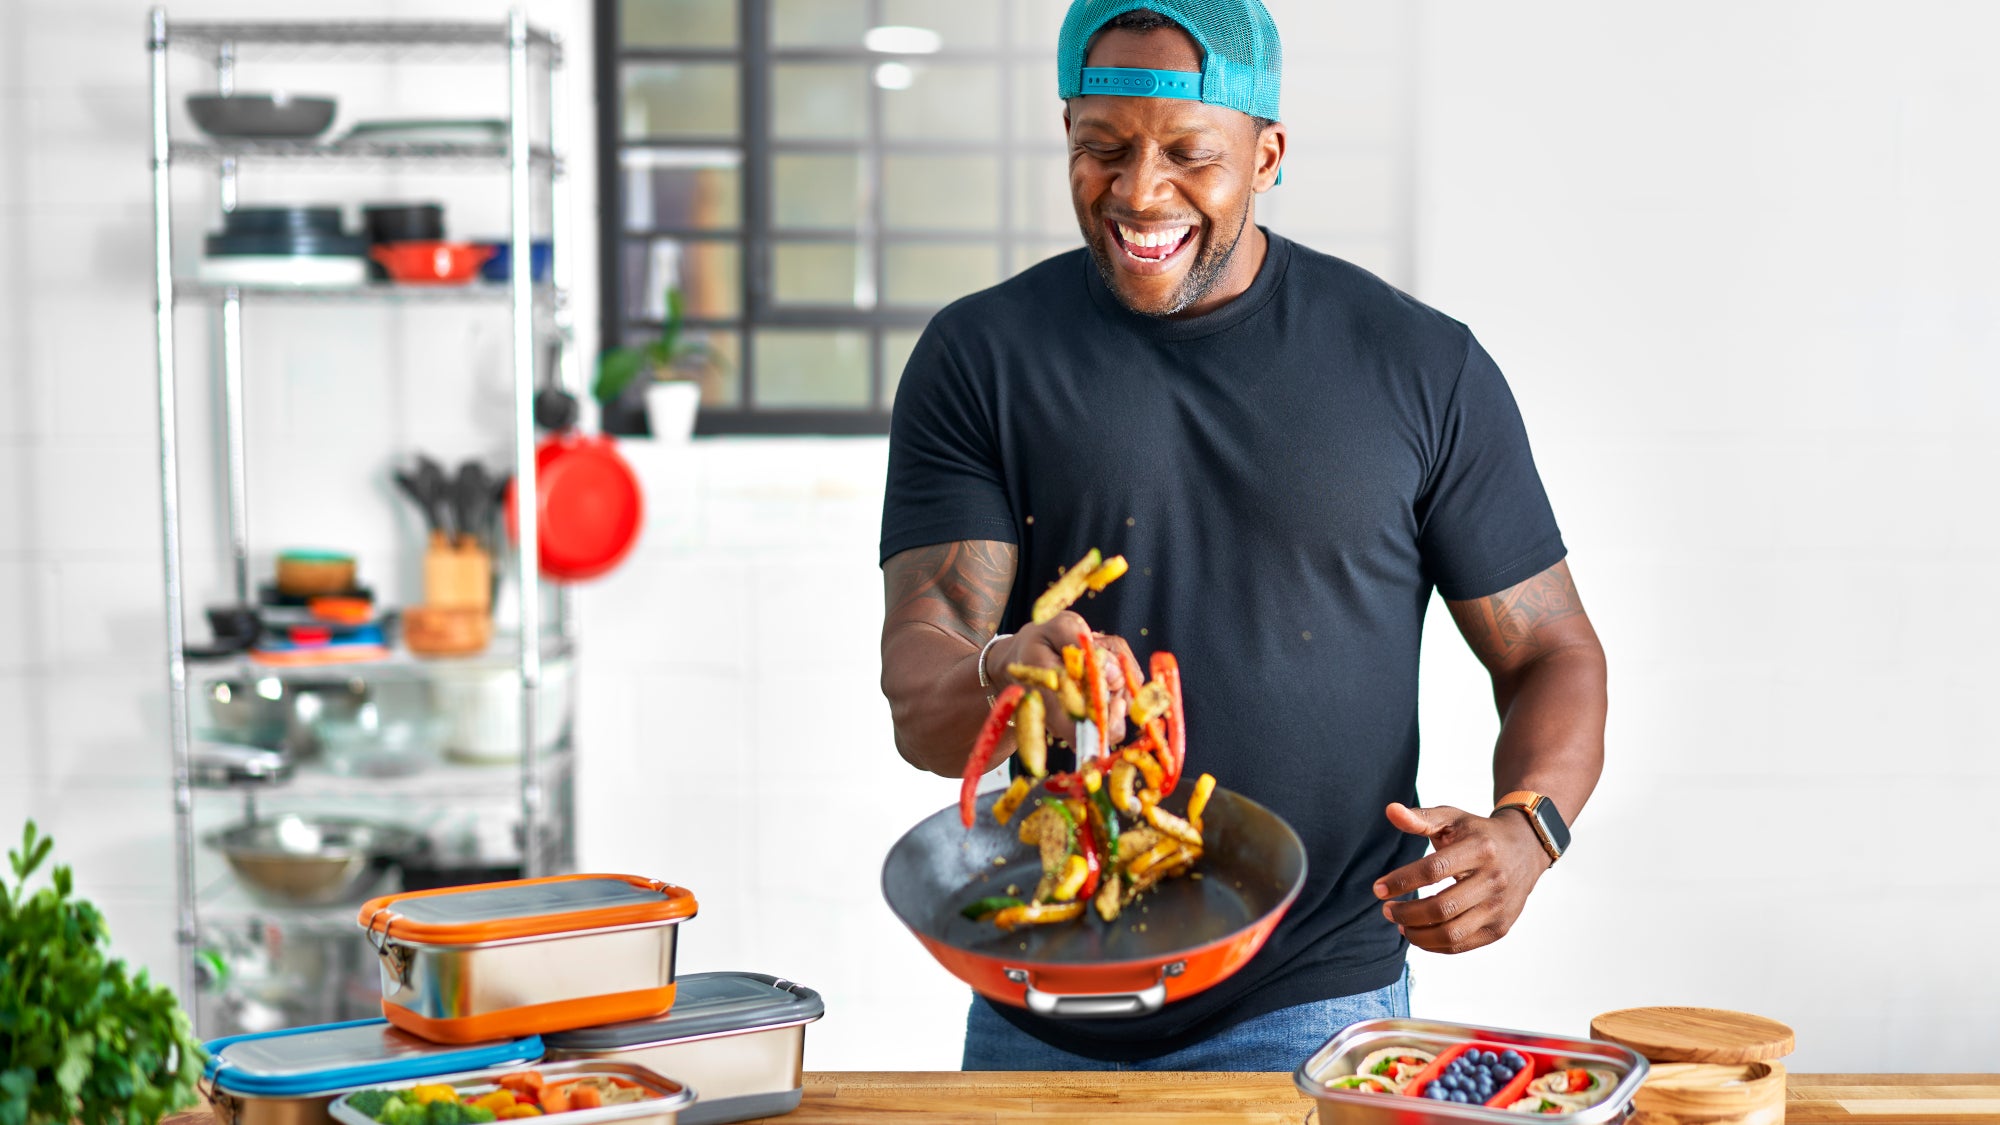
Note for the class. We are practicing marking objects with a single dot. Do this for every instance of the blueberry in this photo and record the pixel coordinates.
(1437, 1092)
(1514, 1059)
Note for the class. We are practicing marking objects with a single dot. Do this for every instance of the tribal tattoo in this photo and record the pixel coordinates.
(960, 588)
(1512, 627)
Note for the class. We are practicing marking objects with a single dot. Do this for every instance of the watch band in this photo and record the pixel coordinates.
(1536, 808)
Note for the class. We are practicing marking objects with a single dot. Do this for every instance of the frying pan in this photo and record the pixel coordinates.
(1197, 931)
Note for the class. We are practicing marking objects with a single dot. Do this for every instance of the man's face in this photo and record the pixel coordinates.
(1162, 187)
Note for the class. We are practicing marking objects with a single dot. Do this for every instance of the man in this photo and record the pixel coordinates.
(1292, 455)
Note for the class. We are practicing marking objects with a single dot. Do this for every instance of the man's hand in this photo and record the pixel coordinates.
(1493, 863)
(1041, 646)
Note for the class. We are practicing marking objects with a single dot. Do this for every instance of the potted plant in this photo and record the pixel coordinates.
(80, 1039)
(654, 388)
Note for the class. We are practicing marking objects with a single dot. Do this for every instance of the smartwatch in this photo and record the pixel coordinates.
(1541, 813)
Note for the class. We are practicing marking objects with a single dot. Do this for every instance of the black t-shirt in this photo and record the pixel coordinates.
(1289, 477)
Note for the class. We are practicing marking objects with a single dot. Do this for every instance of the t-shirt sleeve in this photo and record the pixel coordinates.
(945, 482)
(1484, 521)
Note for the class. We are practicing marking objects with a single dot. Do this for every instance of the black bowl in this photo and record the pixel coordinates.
(282, 220)
(276, 116)
(404, 222)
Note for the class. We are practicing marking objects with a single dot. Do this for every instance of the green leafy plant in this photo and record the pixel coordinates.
(618, 368)
(80, 1040)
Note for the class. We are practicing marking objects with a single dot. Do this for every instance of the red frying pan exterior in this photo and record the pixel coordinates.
(589, 507)
(1197, 932)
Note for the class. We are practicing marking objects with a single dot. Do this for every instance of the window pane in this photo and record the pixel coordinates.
(1036, 23)
(962, 26)
(681, 190)
(678, 23)
(818, 23)
(709, 274)
(936, 273)
(722, 379)
(897, 345)
(680, 100)
(816, 192)
(941, 192)
(818, 273)
(804, 369)
(1041, 196)
(819, 102)
(1037, 110)
(1028, 253)
(957, 103)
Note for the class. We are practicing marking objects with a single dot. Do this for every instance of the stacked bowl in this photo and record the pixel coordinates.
(284, 246)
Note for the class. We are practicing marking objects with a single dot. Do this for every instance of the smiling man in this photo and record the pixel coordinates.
(1293, 455)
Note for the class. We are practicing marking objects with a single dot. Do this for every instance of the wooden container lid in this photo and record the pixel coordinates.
(1695, 1035)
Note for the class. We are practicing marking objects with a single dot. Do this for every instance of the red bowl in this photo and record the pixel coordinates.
(588, 506)
(431, 263)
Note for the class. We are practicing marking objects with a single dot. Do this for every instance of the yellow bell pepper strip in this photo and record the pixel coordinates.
(1159, 853)
(1075, 871)
(1149, 702)
(977, 762)
(1034, 675)
(1173, 826)
(1010, 801)
(1173, 753)
(1063, 592)
(1204, 788)
(516, 1112)
(1072, 658)
(1107, 572)
(434, 1092)
(984, 909)
(1069, 692)
(1037, 914)
(496, 1101)
(1031, 735)
(1148, 766)
(1124, 787)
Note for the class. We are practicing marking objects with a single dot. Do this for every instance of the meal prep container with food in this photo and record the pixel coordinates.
(1193, 934)
(468, 964)
(738, 1038)
(670, 1098)
(1343, 1054)
(290, 1077)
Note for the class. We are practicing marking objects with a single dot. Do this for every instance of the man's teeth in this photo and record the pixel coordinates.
(1152, 238)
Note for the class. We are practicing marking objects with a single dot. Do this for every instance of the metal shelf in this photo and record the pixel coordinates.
(400, 666)
(345, 40)
(443, 780)
(350, 155)
(476, 293)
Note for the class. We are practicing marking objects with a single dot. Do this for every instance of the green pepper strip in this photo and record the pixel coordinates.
(1109, 815)
(1068, 818)
(986, 907)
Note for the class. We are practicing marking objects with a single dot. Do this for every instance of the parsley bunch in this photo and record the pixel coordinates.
(79, 1039)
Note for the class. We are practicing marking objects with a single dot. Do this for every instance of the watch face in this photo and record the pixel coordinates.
(1551, 821)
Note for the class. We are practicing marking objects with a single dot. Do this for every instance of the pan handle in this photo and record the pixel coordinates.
(1096, 1005)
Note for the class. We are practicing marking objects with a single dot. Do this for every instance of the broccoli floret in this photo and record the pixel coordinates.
(455, 1113)
(370, 1102)
(396, 1111)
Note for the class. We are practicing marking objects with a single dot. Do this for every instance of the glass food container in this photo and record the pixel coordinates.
(667, 1100)
(291, 1077)
(738, 1038)
(497, 960)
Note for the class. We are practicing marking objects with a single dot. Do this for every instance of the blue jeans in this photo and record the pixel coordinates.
(1279, 1040)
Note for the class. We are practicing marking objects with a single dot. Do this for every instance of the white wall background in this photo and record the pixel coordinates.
(1734, 262)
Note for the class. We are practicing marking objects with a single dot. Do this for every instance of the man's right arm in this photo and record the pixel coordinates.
(944, 602)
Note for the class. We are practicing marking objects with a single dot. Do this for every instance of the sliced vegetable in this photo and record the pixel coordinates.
(1149, 768)
(1204, 788)
(1067, 783)
(1149, 702)
(1034, 675)
(1107, 572)
(431, 1092)
(1031, 733)
(1173, 752)
(977, 762)
(1173, 826)
(1063, 592)
(1086, 840)
(1106, 819)
(522, 1081)
(1075, 872)
(1069, 692)
(1097, 693)
(516, 1112)
(986, 908)
(1010, 801)
(1037, 914)
(496, 1101)
(1072, 657)
(1124, 787)
(1108, 895)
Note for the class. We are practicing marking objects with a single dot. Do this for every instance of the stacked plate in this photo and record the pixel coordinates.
(285, 246)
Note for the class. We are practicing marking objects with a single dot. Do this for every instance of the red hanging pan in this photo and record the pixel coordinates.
(588, 506)
(1197, 931)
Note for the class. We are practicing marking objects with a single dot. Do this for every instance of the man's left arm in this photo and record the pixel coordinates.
(1549, 685)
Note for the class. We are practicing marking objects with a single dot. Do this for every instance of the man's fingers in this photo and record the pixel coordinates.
(1422, 822)
(1465, 895)
(1482, 925)
(1448, 862)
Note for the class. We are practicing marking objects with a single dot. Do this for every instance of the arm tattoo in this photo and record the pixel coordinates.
(1507, 628)
(960, 588)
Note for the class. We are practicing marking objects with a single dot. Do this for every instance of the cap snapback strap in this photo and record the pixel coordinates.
(1133, 82)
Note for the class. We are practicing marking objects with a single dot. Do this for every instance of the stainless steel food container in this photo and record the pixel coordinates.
(670, 1100)
(738, 1038)
(291, 1077)
(499, 960)
(1341, 1054)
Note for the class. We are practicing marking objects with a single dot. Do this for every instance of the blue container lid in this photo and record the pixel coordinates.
(337, 1056)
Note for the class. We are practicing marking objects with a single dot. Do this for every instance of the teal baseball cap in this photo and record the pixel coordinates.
(1241, 59)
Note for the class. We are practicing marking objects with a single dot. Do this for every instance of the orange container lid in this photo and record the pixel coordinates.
(524, 908)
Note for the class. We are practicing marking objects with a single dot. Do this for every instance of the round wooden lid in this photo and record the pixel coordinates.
(1695, 1035)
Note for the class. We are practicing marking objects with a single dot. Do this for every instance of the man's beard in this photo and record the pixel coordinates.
(1201, 277)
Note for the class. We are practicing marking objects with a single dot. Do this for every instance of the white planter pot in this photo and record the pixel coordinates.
(671, 407)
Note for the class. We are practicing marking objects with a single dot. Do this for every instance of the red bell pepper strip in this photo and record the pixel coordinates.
(1067, 784)
(978, 761)
(1172, 752)
(1099, 695)
(1086, 841)
(1130, 666)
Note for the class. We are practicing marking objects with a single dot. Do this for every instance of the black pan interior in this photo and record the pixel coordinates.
(1254, 863)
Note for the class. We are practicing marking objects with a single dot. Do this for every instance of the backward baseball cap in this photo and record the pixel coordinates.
(1241, 59)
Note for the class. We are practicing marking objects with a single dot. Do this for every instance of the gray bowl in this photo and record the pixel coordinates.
(271, 116)
(314, 860)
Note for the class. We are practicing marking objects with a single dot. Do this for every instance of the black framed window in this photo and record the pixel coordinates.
(816, 178)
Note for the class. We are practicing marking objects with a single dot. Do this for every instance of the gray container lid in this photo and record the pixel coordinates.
(523, 899)
(704, 1004)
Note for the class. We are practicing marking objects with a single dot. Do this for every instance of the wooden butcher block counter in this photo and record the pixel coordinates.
(953, 1098)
